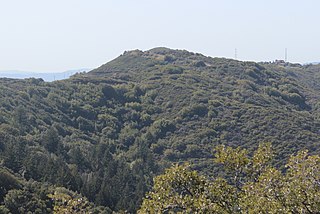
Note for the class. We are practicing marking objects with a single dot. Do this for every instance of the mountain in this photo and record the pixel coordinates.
(108, 132)
(315, 63)
(49, 77)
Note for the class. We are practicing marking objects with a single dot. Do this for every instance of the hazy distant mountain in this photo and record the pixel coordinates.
(312, 63)
(49, 77)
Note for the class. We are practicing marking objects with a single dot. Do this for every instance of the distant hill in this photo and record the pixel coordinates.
(49, 77)
(106, 133)
(315, 63)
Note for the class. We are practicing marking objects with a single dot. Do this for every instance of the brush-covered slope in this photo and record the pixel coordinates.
(213, 100)
(106, 133)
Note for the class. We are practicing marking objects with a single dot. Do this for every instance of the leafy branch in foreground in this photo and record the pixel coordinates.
(252, 185)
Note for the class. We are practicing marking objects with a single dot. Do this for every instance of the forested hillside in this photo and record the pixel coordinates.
(104, 135)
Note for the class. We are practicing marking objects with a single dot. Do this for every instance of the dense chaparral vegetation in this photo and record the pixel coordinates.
(99, 138)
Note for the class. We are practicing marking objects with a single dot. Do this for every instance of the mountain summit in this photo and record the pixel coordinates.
(232, 102)
(108, 132)
(137, 60)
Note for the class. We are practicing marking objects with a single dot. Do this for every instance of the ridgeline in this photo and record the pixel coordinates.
(103, 135)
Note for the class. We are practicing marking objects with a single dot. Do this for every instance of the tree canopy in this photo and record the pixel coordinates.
(105, 134)
(250, 185)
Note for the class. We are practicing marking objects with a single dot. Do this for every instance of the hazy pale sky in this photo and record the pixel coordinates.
(58, 35)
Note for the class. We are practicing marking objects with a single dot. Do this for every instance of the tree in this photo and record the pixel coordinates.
(7, 182)
(20, 119)
(15, 152)
(68, 202)
(251, 185)
(179, 189)
(51, 140)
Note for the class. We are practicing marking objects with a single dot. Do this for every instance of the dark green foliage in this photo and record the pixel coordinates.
(196, 109)
(200, 64)
(161, 127)
(40, 197)
(50, 140)
(14, 153)
(7, 182)
(170, 69)
(106, 133)
(20, 119)
(26, 200)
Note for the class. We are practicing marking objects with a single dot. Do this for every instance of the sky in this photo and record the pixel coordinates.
(59, 35)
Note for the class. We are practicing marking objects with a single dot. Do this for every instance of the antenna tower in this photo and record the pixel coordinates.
(235, 53)
(286, 55)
